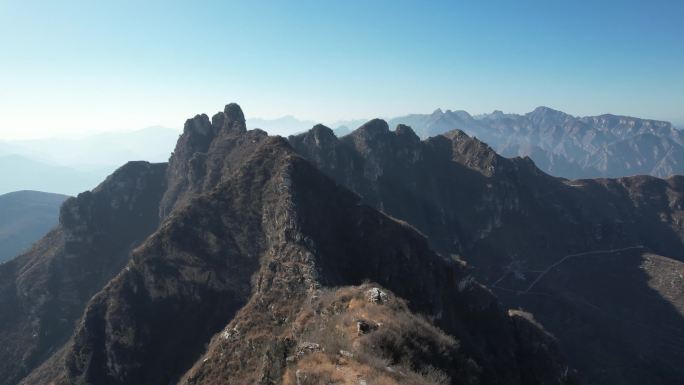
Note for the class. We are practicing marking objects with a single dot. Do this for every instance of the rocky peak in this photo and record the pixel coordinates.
(319, 137)
(475, 154)
(322, 133)
(198, 134)
(198, 125)
(217, 120)
(129, 191)
(190, 167)
(404, 131)
(372, 129)
(234, 119)
(460, 114)
(547, 115)
(543, 110)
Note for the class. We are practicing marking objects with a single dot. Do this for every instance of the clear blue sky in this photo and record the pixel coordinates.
(72, 66)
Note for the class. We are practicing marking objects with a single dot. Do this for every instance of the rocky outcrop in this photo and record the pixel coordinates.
(198, 162)
(324, 346)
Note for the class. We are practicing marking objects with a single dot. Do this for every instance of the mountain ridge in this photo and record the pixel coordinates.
(42, 291)
(232, 243)
(526, 234)
(241, 248)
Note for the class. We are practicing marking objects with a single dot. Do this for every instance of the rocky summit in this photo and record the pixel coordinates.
(242, 261)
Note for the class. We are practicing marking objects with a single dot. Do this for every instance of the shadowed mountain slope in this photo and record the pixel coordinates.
(43, 292)
(591, 259)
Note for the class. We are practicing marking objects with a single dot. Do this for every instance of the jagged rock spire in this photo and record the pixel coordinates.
(373, 128)
(231, 119)
(234, 119)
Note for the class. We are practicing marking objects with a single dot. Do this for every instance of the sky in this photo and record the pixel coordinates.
(70, 67)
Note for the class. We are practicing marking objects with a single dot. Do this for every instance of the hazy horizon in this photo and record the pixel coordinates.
(71, 69)
(26, 136)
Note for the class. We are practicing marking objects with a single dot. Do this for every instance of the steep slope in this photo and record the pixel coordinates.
(568, 146)
(44, 291)
(590, 258)
(254, 241)
(25, 217)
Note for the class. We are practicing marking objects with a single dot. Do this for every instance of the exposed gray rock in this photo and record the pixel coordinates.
(376, 296)
(307, 348)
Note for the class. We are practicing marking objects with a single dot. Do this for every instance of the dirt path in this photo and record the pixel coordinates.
(565, 258)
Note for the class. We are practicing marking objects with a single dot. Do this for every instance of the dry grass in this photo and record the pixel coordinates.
(399, 351)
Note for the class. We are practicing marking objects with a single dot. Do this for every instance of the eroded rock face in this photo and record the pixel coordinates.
(206, 153)
(252, 235)
(44, 292)
(534, 238)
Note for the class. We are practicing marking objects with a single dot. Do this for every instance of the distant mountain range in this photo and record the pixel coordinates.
(565, 145)
(289, 125)
(26, 216)
(153, 144)
(560, 144)
(286, 125)
(20, 173)
(73, 165)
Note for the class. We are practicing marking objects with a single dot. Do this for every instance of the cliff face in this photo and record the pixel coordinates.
(207, 153)
(44, 291)
(590, 258)
(260, 255)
